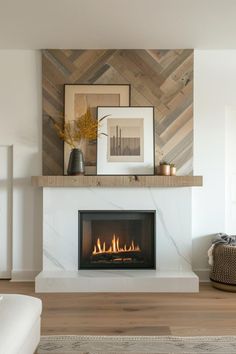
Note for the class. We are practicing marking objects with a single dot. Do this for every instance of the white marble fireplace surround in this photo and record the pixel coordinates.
(173, 240)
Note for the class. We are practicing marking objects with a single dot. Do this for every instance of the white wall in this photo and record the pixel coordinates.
(230, 166)
(21, 120)
(214, 91)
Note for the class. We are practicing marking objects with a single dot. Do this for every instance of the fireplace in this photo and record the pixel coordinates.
(116, 239)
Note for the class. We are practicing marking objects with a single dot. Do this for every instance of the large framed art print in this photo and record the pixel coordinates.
(126, 145)
(78, 97)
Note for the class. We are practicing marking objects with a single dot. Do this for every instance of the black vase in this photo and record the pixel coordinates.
(76, 163)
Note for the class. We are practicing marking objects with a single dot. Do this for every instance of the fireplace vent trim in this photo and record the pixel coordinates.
(145, 259)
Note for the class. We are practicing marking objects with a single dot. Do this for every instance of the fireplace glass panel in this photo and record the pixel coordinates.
(116, 240)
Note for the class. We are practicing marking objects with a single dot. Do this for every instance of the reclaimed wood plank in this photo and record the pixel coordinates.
(157, 78)
(116, 181)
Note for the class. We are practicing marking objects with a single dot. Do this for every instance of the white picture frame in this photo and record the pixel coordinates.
(125, 144)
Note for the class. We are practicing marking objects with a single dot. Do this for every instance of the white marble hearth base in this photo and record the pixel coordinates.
(173, 240)
(117, 281)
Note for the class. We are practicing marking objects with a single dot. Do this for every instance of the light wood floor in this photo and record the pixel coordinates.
(211, 312)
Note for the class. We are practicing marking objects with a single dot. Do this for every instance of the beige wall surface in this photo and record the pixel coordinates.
(20, 117)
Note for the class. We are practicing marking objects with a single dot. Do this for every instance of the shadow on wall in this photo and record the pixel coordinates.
(200, 246)
(31, 217)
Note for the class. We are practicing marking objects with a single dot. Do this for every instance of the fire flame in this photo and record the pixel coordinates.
(115, 247)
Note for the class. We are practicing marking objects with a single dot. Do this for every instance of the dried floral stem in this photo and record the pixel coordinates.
(84, 127)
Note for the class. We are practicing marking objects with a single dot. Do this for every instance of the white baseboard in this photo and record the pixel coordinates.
(203, 275)
(5, 275)
(24, 275)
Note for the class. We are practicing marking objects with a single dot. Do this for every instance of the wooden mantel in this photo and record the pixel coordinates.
(117, 181)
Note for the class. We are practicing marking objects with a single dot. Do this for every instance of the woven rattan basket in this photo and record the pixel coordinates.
(223, 272)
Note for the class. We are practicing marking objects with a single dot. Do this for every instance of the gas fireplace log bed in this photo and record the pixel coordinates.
(119, 257)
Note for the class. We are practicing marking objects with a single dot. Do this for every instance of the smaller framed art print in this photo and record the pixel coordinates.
(126, 145)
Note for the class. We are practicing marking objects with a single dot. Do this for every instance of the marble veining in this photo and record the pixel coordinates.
(165, 227)
(49, 258)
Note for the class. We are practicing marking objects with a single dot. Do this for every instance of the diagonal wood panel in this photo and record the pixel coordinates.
(160, 78)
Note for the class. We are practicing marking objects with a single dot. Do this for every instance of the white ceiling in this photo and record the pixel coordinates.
(36, 24)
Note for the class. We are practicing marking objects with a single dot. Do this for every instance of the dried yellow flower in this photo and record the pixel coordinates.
(84, 127)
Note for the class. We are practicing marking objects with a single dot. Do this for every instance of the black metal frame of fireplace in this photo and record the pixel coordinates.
(113, 212)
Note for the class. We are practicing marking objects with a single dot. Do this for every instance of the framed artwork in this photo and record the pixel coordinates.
(78, 98)
(126, 146)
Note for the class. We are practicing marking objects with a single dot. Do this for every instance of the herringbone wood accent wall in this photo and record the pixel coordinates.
(159, 78)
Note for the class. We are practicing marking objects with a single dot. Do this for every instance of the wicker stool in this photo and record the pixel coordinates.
(223, 273)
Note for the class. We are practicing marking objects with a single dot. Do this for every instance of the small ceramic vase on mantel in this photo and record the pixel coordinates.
(164, 169)
(76, 163)
(172, 170)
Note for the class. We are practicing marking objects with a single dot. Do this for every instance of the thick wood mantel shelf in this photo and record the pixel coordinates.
(117, 181)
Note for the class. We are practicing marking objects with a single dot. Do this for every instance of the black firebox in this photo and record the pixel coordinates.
(117, 239)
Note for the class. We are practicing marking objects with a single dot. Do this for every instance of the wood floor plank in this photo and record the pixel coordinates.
(209, 312)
